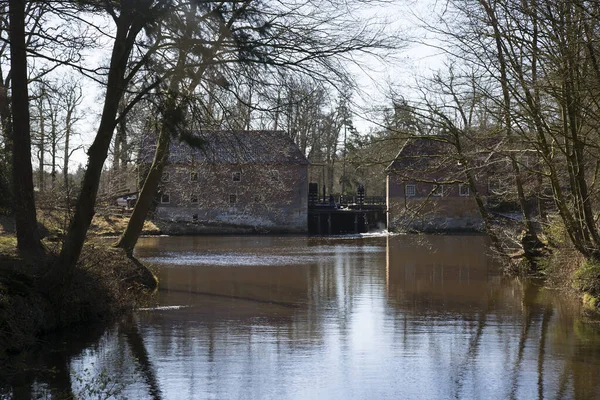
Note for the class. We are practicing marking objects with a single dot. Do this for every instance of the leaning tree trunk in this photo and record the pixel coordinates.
(530, 242)
(136, 223)
(128, 240)
(126, 33)
(28, 238)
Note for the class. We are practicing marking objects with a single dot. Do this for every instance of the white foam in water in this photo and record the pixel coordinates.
(161, 308)
(381, 233)
(230, 259)
(237, 259)
(371, 234)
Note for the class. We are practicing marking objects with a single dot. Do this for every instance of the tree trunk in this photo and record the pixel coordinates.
(530, 242)
(98, 151)
(66, 154)
(28, 238)
(53, 144)
(41, 145)
(5, 117)
(136, 223)
(471, 181)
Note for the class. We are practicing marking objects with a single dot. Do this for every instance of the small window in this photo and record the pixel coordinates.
(165, 177)
(194, 198)
(463, 190)
(165, 199)
(411, 190)
(236, 176)
(232, 199)
(438, 190)
(195, 217)
(193, 177)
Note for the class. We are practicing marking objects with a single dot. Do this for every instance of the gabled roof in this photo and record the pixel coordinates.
(234, 147)
(436, 158)
(425, 155)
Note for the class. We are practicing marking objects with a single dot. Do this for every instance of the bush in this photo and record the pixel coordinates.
(105, 284)
(587, 278)
(556, 233)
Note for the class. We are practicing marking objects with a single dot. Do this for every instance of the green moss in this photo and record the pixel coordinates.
(590, 302)
(587, 278)
(556, 233)
(8, 244)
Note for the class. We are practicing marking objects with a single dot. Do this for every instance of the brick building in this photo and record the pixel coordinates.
(239, 181)
(426, 189)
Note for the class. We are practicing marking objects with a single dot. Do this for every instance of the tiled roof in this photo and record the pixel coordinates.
(424, 154)
(233, 147)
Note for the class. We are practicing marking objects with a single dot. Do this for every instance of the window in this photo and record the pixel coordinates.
(195, 217)
(236, 176)
(166, 177)
(194, 198)
(232, 199)
(165, 199)
(438, 190)
(193, 177)
(463, 190)
(410, 190)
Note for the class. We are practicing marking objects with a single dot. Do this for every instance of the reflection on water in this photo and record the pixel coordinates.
(418, 317)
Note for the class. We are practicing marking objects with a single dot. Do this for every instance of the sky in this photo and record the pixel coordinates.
(399, 69)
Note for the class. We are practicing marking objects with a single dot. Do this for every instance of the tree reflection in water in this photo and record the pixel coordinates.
(426, 316)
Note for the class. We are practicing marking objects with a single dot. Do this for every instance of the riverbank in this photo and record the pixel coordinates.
(566, 269)
(105, 284)
(560, 266)
(54, 223)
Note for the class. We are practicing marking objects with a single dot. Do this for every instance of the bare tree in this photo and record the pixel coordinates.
(28, 238)
(130, 19)
(535, 66)
(239, 42)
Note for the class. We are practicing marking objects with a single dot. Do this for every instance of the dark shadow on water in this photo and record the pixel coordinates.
(530, 309)
(136, 344)
(45, 371)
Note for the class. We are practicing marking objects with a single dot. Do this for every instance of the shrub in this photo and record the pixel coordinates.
(587, 278)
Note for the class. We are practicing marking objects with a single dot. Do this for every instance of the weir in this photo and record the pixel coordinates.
(335, 215)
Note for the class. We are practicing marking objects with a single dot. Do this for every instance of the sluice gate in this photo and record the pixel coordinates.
(337, 215)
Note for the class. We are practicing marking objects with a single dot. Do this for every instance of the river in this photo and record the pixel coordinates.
(358, 317)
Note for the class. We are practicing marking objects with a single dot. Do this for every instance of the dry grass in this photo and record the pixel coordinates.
(105, 223)
(560, 268)
(55, 223)
(105, 284)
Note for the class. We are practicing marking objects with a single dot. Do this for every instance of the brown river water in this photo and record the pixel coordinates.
(357, 317)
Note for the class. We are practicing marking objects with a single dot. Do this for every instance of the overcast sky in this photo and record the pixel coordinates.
(374, 77)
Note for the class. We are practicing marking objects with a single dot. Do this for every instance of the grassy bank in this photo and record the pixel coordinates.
(54, 223)
(105, 284)
(565, 269)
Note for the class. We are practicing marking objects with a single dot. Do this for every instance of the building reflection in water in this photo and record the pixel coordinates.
(296, 317)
